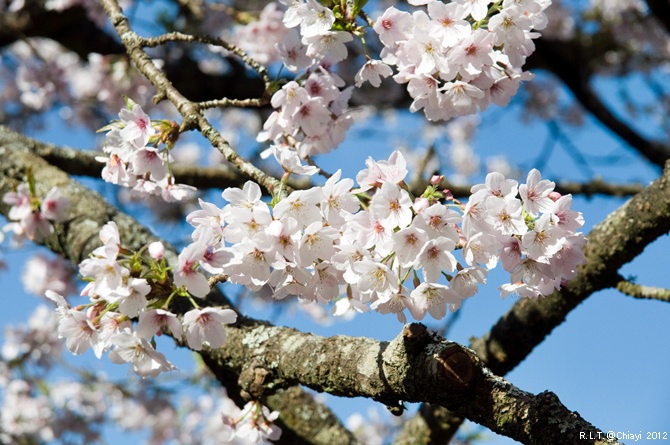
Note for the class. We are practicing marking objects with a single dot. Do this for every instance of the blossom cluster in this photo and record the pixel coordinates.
(31, 217)
(359, 247)
(253, 424)
(133, 158)
(311, 113)
(458, 57)
(310, 116)
(38, 405)
(119, 288)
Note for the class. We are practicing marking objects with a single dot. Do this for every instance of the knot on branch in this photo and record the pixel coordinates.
(457, 366)
(252, 381)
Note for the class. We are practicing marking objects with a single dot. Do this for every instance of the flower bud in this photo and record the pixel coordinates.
(156, 250)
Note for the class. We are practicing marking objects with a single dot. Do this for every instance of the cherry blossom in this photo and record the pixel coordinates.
(205, 327)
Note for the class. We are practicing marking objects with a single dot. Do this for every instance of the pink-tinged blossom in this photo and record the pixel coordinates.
(338, 199)
(148, 160)
(325, 282)
(132, 297)
(392, 206)
(209, 222)
(79, 332)
(300, 205)
(137, 127)
(396, 303)
(465, 282)
(330, 44)
(393, 26)
(392, 170)
(248, 197)
(462, 97)
(450, 23)
(482, 248)
(205, 327)
(317, 242)
(565, 261)
(510, 26)
(290, 161)
(506, 216)
(511, 253)
(375, 277)
(55, 205)
(251, 265)
(544, 240)
(186, 274)
(372, 71)
(565, 218)
(407, 243)
(157, 321)
(146, 361)
(245, 224)
(438, 220)
(496, 185)
(434, 298)
(435, 257)
(535, 193)
(292, 52)
(254, 424)
(315, 19)
(312, 116)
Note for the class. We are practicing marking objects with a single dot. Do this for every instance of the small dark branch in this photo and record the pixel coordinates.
(570, 62)
(643, 292)
(193, 116)
(598, 187)
(71, 28)
(661, 11)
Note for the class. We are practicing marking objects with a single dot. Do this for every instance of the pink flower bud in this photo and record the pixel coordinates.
(156, 250)
(420, 204)
(436, 179)
(554, 196)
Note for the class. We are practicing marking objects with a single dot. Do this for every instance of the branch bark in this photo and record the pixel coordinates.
(415, 367)
(76, 238)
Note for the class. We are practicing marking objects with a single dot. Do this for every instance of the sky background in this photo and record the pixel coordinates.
(609, 360)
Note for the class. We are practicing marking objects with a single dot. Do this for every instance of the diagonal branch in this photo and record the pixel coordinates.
(570, 62)
(263, 358)
(76, 238)
(618, 239)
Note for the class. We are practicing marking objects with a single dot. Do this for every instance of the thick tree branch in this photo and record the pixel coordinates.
(76, 238)
(618, 239)
(414, 367)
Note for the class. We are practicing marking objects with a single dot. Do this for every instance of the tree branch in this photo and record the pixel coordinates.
(76, 238)
(415, 367)
(618, 239)
(571, 63)
(643, 292)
